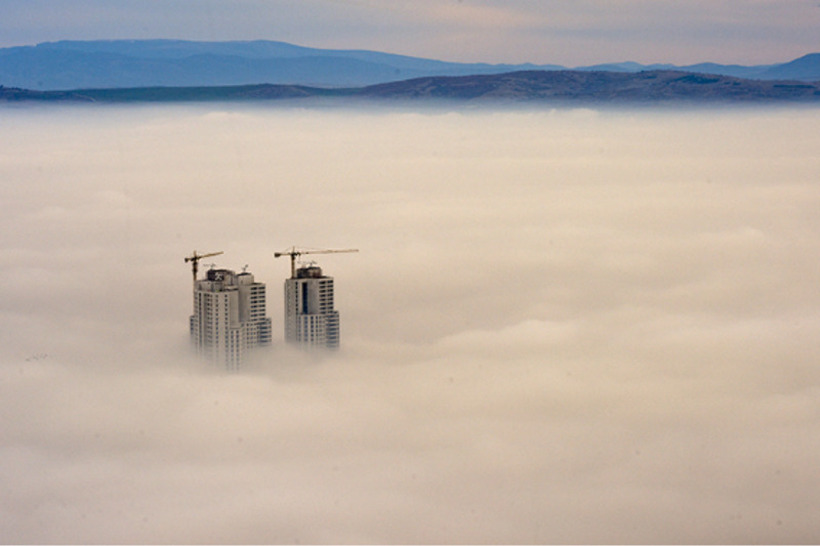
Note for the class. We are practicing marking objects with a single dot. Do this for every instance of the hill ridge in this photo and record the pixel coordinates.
(533, 86)
(75, 64)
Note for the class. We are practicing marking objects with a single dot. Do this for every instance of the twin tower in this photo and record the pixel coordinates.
(229, 315)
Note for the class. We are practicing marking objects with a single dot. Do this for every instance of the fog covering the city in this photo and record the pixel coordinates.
(562, 326)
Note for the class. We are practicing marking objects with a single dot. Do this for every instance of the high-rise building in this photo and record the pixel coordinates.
(310, 318)
(229, 317)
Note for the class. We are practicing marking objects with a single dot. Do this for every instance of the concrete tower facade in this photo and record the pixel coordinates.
(229, 317)
(310, 319)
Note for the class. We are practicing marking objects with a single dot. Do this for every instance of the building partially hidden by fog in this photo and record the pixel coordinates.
(310, 319)
(229, 317)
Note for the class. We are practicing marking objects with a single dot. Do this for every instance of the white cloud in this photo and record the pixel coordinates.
(562, 327)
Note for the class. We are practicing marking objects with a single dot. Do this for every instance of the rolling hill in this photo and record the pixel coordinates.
(66, 65)
(535, 86)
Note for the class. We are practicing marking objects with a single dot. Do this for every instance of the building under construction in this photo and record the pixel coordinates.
(310, 317)
(229, 315)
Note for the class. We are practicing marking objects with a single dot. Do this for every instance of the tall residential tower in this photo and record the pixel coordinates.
(310, 318)
(229, 317)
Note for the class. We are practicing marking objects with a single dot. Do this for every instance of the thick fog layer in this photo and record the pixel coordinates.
(562, 326)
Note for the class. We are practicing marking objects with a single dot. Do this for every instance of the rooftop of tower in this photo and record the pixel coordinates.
(309, 272)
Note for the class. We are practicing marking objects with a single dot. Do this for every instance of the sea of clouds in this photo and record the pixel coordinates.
(562, 326)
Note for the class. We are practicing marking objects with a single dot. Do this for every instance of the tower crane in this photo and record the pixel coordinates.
(293, 252)
(194, 259)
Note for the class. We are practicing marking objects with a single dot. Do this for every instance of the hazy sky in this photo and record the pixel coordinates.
(571, 33)
(562, 326)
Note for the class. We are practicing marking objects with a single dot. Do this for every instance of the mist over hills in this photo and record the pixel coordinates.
(525, 87)
(651, 86)
(66, 65)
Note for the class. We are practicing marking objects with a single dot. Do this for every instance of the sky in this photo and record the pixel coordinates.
(562, 326)
(576, 33)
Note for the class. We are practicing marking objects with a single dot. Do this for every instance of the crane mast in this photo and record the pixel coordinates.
(194, 259)
(294, 252)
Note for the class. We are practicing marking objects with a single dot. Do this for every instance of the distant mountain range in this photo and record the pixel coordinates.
(69, 65)
(544, 86)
